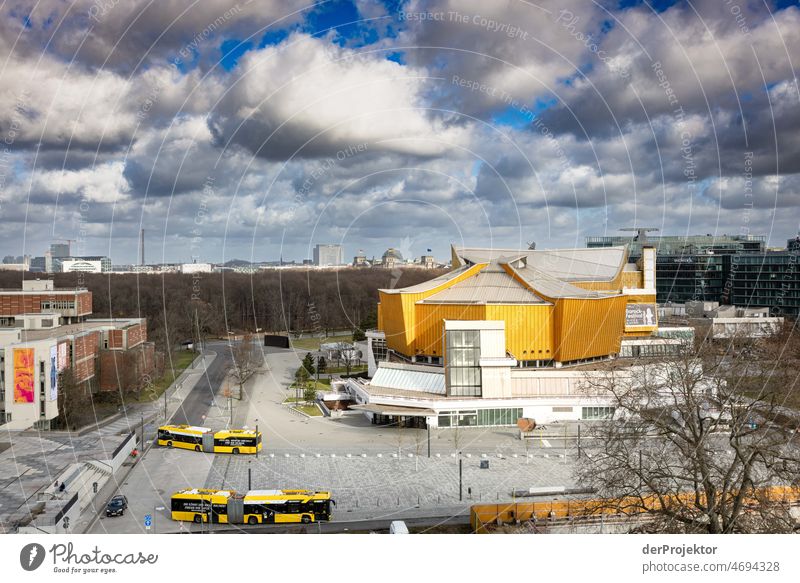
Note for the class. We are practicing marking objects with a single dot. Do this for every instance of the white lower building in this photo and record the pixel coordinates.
(479, 385)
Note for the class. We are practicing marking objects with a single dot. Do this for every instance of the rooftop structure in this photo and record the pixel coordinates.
(683, 244)
(559, 306)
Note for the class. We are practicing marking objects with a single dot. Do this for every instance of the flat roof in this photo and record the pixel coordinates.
(77, 329)
(408, 378)
(42, 292)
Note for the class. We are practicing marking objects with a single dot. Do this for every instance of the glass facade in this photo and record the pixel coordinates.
(686, 278)
(590, 413)
(463, 363)
(769, 280)
(480, 418)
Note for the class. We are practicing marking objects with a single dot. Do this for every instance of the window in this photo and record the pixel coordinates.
(480, 418)
(379, 349)
(593, 413)
(463, 369)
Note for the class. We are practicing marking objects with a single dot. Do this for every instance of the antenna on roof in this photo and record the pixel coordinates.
(531, 245)
(641, 232)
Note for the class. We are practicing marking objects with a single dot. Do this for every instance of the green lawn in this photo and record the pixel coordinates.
(313, 343)
(343, 370)
(311, 410)
(180, 360)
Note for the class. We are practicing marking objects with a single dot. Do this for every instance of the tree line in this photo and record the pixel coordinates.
(180, 307)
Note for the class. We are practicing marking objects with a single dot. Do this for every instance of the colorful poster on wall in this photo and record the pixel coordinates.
(62, 356)
(53, 373)
(640, 315)
(23, 375)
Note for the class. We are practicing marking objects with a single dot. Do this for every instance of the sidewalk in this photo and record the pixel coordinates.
(153, 411)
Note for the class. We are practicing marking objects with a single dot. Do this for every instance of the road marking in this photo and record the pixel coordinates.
(546, 443)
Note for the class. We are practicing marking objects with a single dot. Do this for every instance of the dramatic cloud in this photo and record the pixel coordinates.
(259, 129)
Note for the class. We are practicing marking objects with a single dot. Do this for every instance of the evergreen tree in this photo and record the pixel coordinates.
(308, 363)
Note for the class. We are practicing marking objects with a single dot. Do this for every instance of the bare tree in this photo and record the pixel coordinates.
(74, 401)
(686, 448)
(347, 354)
(245, 361)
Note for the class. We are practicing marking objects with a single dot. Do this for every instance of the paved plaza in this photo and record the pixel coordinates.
(372, 471)
(360, 484)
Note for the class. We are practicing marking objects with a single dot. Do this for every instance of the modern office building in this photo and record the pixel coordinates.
(728, 269)
(769, 280)
(510, 333)
(60, 250)
(328, 255)
(687, 278)
(682, 245)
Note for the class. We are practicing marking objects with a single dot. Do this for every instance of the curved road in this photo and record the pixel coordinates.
(196, 404)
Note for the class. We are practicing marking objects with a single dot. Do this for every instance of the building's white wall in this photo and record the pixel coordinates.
(493, 341)
(496, 382)
(649, 268)
(24, 415)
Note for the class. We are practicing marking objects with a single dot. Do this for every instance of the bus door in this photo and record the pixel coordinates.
(235, 510)
(208, 442)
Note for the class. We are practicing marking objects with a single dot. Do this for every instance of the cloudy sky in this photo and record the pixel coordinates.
(257, 129)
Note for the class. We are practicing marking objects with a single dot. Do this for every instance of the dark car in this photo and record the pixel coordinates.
(117, 506)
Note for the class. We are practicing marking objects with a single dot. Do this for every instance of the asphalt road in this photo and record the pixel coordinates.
(341, 526)
(196, 404)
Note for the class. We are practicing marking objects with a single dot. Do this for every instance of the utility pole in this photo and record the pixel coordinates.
(579, 440)
(460, 478)
(257, 440)
(141, 445)
(249, 477)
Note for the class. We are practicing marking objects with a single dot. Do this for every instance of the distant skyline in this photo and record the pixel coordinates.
(256, 130)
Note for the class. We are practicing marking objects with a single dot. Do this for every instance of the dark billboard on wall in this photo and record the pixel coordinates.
(640, 315)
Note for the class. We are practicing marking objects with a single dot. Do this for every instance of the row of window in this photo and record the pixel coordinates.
(57, 305)
(592, 413)
(480, 418)
(649, 350)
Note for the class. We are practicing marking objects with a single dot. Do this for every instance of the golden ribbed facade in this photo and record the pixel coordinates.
(553, 325)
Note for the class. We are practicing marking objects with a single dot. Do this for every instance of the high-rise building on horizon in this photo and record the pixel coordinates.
(328, 255)
(59, 250)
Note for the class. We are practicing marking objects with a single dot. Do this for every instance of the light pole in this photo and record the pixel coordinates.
(429, 438)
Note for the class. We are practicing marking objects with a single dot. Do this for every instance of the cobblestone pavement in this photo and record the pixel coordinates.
(362, 483)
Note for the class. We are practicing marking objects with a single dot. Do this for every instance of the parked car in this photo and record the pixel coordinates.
(117, 506)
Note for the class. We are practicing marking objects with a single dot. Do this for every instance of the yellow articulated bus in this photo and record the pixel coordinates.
(204, 439)
(253, 507)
